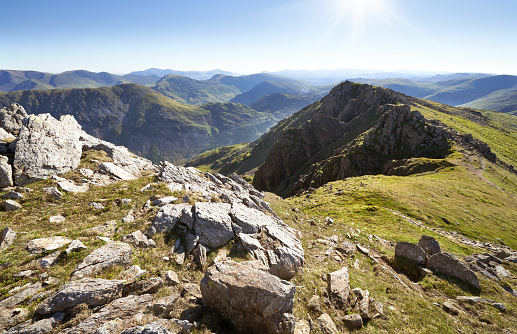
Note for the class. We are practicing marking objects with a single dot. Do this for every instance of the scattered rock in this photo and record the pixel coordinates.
(10, 205)
(446, 263)
(171, 278)
(499, 306)
(129, 218)
(254, 301)
(338, 286)
(363, 302)
(38, 246)
(138, 239)
(12, 317)
(107, 229)
(132, 274)
(315, 303)
(111, 254)
(126, 201)
(96, 206)
(200, 256)
(53, 192)
(363, 250)
(346, 247)
(429, 245)
(7, 237)
(27, 291)
(74, 246)
(411, 252)
(424, 271)
(70, 187)
(12, 195)
(57, 219)
(326, 325)
(165, 305)
(302, 327)
(143, 286)
(86, 172)
(168, 216)
(11, 118)
(25, 274)
(450, 308)
(353, 321)
(164, 201)
(48, 261)
(116, 171)
(155, 327)
(6, 172)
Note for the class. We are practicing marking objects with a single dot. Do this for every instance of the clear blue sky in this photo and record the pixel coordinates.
(248, 36)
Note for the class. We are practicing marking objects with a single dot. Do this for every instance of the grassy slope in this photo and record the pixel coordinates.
(504, 101)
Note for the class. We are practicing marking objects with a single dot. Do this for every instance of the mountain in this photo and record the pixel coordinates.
(198, 75)
(148, 123)
(504, 101)
(25, 80)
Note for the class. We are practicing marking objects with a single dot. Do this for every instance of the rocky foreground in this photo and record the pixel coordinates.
(107, 291)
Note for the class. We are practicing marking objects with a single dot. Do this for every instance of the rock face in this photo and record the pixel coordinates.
(213, 224)
(254, 301)
(46, 147)
(447, 264)
(93, 292)
(111, 254)
(410, 251)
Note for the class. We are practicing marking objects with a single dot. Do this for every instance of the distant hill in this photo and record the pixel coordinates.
(198, 75)
(504, 101)
(147, 122)
(24, 80)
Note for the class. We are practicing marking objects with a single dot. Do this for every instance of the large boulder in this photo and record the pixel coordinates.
(252, 300)
(168, 216)
(46, 147)
(429, 245)
(11, 118)
(93, 292)
(410, 251)
(109, 255)
(448, 264)
(6, 172)
(213, 224)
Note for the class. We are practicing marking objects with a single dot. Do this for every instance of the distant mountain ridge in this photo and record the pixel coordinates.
(198, 75)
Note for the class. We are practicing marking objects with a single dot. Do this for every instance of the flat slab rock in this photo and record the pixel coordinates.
(41, 245)
(448, 264)
(111, 254)
(253, 300)
(91, 291)
(213, 224)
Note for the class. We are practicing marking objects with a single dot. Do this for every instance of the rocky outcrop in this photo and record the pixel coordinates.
(11, 118)
(252, 300)
(111, 254)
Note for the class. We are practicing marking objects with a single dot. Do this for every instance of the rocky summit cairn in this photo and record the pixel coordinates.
(252, 300)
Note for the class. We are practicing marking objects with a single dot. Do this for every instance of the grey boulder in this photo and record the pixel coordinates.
(109, 255)
(410, 251)
(448, 264)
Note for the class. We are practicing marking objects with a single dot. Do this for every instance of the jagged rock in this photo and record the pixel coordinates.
(249, 242)
(363, 302)
(338, 286)
(25, 274)
(165, 305)
(70, 187)
(254, 301)
(129, 218)
(48, 261)
(54, 192)
(116, 171)
(111, 254)
(86, 172)
(107, 229)
(75, 246)
(151, 328)
(10, 205)
(57, 219)
(326, 325)
(213, 224)
(26, 292)
(138, 239)
(346, 247)
(6, 137)
(302, 327)
(200, 256)
(6, 172)
(11, 118)
(429, 245)
(191, 242)
(7, 237)
(38, 246)
(143, 286)
(171, 278)
(39, 327)
(446, 263)
(164, 201)
(132, 274)
(126, 201)
(353, 321)
(12, 195)
(183, 178)
(168, 216)
(96, 205)
(46, 147)
(91, 291)
(410, 251)
(450, 308)
(121, 309)
(12, 317)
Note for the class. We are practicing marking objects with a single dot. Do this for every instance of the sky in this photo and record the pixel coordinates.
(251, 36)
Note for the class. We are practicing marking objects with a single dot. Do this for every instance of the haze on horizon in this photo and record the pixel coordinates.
(254, 36)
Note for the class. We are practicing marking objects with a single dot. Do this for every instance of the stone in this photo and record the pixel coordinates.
(363, 250)
(12, 317)
(107, 256)
(429, 245)
(141, 287)
(96, 206)
(315, 303)
(10, 205)
(326, 325)
(70, 187)
(411, 252)
(249, 242)
(57, 219)
(425, 272)
(27, 291)
(191, 242)
(116, 171)
(7, 237)
(6, 137)
(86, 172)
(168, 216)
(54, 192)
(131, 274)
(46, 147)
(253, 300)
(353, 321)
(171, 278)
(338, 286)
(200, 256)
(302, 327)
(25, 274)
(138, 239)
(90, 291)
(284, 262)
(41, 326)
(12, 195)
(363, 303)
(165, 305)
(450, 308)
(129, 218)
(164, 201)
(6, 172)
(121, 309)
(50, 260)
(346, 247)
(41, 245)
(446, 263)
(213, 224)
(12, 117)
(126, 201)
(155, 327)
(107, 229)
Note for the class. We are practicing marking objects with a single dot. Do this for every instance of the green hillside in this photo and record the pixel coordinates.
(504, 101)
